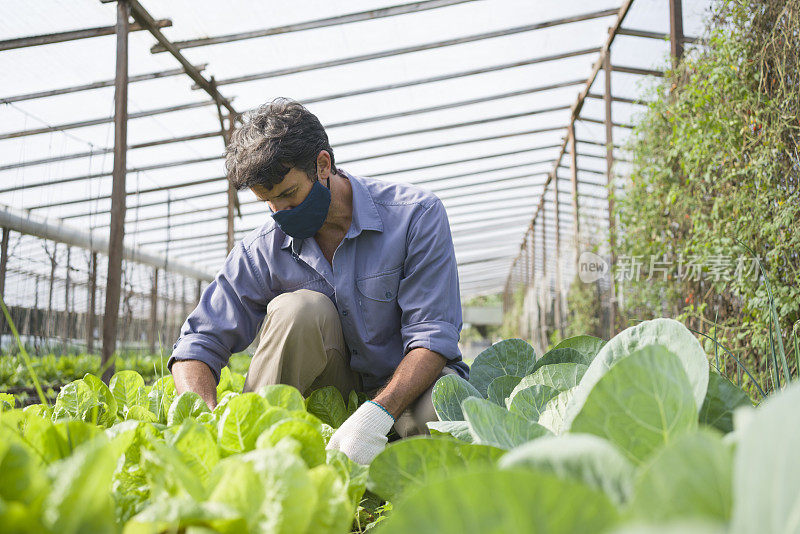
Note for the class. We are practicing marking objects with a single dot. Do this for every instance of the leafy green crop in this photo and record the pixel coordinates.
(625, 436)
(135, 458)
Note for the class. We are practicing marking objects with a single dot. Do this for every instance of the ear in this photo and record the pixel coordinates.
(323, 165)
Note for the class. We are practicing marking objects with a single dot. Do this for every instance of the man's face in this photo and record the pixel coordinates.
(289, 193)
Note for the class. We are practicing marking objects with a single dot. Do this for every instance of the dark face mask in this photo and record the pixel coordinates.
(305, 219)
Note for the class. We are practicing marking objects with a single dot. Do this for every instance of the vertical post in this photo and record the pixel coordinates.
(65, 334)
(527, 261)
(199, 291)
(573, 158)
(92, 300)
(233, 199)
(230, 216)
(3, 269)
(153, 330)
(612, 300)
(545, 274)
(675, 31)
(558, 311)
(53, 264)
(117, 231)
(184, 302)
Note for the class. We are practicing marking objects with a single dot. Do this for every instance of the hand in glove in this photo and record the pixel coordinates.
(363, 435)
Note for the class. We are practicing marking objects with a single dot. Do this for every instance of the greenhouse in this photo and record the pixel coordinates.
(442, 266)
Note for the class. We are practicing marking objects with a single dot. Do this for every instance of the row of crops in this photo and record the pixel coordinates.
(636, 434)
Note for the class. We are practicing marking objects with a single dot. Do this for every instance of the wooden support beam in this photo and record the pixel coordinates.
(96, 85)
(457, 104)
(574, 183)
(455, 143)
(153, 330)
(130, 193)
(104, 120)
(74, 35)
(98, 152)
(339, 20)
(609, 120)
(676, 31)
(653, 35)
(453, 125)
(619, 99)
(118, 200)
(3, 270)
(444, 77)
(417, 48)
(65, 322)
(637, 70)
(92, 303)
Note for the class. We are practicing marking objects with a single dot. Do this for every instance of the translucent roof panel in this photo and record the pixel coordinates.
(469, 99)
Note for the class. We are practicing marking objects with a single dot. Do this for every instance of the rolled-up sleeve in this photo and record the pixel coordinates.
(428, 295)
(228, 316)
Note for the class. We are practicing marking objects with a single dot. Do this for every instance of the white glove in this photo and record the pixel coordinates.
(363, 435)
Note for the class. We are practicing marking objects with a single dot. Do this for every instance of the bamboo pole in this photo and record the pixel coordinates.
(118, 200)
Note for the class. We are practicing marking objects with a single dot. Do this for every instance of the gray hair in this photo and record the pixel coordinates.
(274, 138)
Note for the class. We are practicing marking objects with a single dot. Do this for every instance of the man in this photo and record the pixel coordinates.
(355, 281)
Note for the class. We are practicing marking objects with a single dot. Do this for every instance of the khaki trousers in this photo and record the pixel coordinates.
(301, 344)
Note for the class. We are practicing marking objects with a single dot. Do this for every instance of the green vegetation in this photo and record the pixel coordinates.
(633, 435)
(716, 171)
(592, 436)
(55, 370)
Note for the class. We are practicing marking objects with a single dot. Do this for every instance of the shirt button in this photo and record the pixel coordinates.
(388, 294)
(344, 313)
(355, 351)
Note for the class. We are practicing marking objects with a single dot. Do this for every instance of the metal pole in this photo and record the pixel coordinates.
(675, 31)
(3, 268)
(65, 320)
(558, 311)
(612, 300)
(90, 312)
(151, 333)
(51, 38)
(574, 182)
(199, 291)
(117, 232)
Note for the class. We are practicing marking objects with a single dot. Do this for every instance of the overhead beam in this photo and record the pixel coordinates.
(637, 70)
(417, 48)
(444, 77)
(458, 104)
(74, 35)
(602, 121)
(96, 85)
(374, 175)
(349, 18)
(103, 120)
(100, 152)
(329, 126)
(144, 18)
(454, 143)
(620, 99)
(129, 193)
(454, 125)
(653, 35)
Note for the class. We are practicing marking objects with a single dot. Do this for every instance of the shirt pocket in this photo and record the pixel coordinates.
(377, 299)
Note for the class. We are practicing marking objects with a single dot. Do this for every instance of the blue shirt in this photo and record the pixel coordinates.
(394, 282)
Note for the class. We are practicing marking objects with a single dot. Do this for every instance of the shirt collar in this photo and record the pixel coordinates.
(365, 214)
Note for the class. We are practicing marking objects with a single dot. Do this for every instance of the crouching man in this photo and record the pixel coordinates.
(351, 282)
